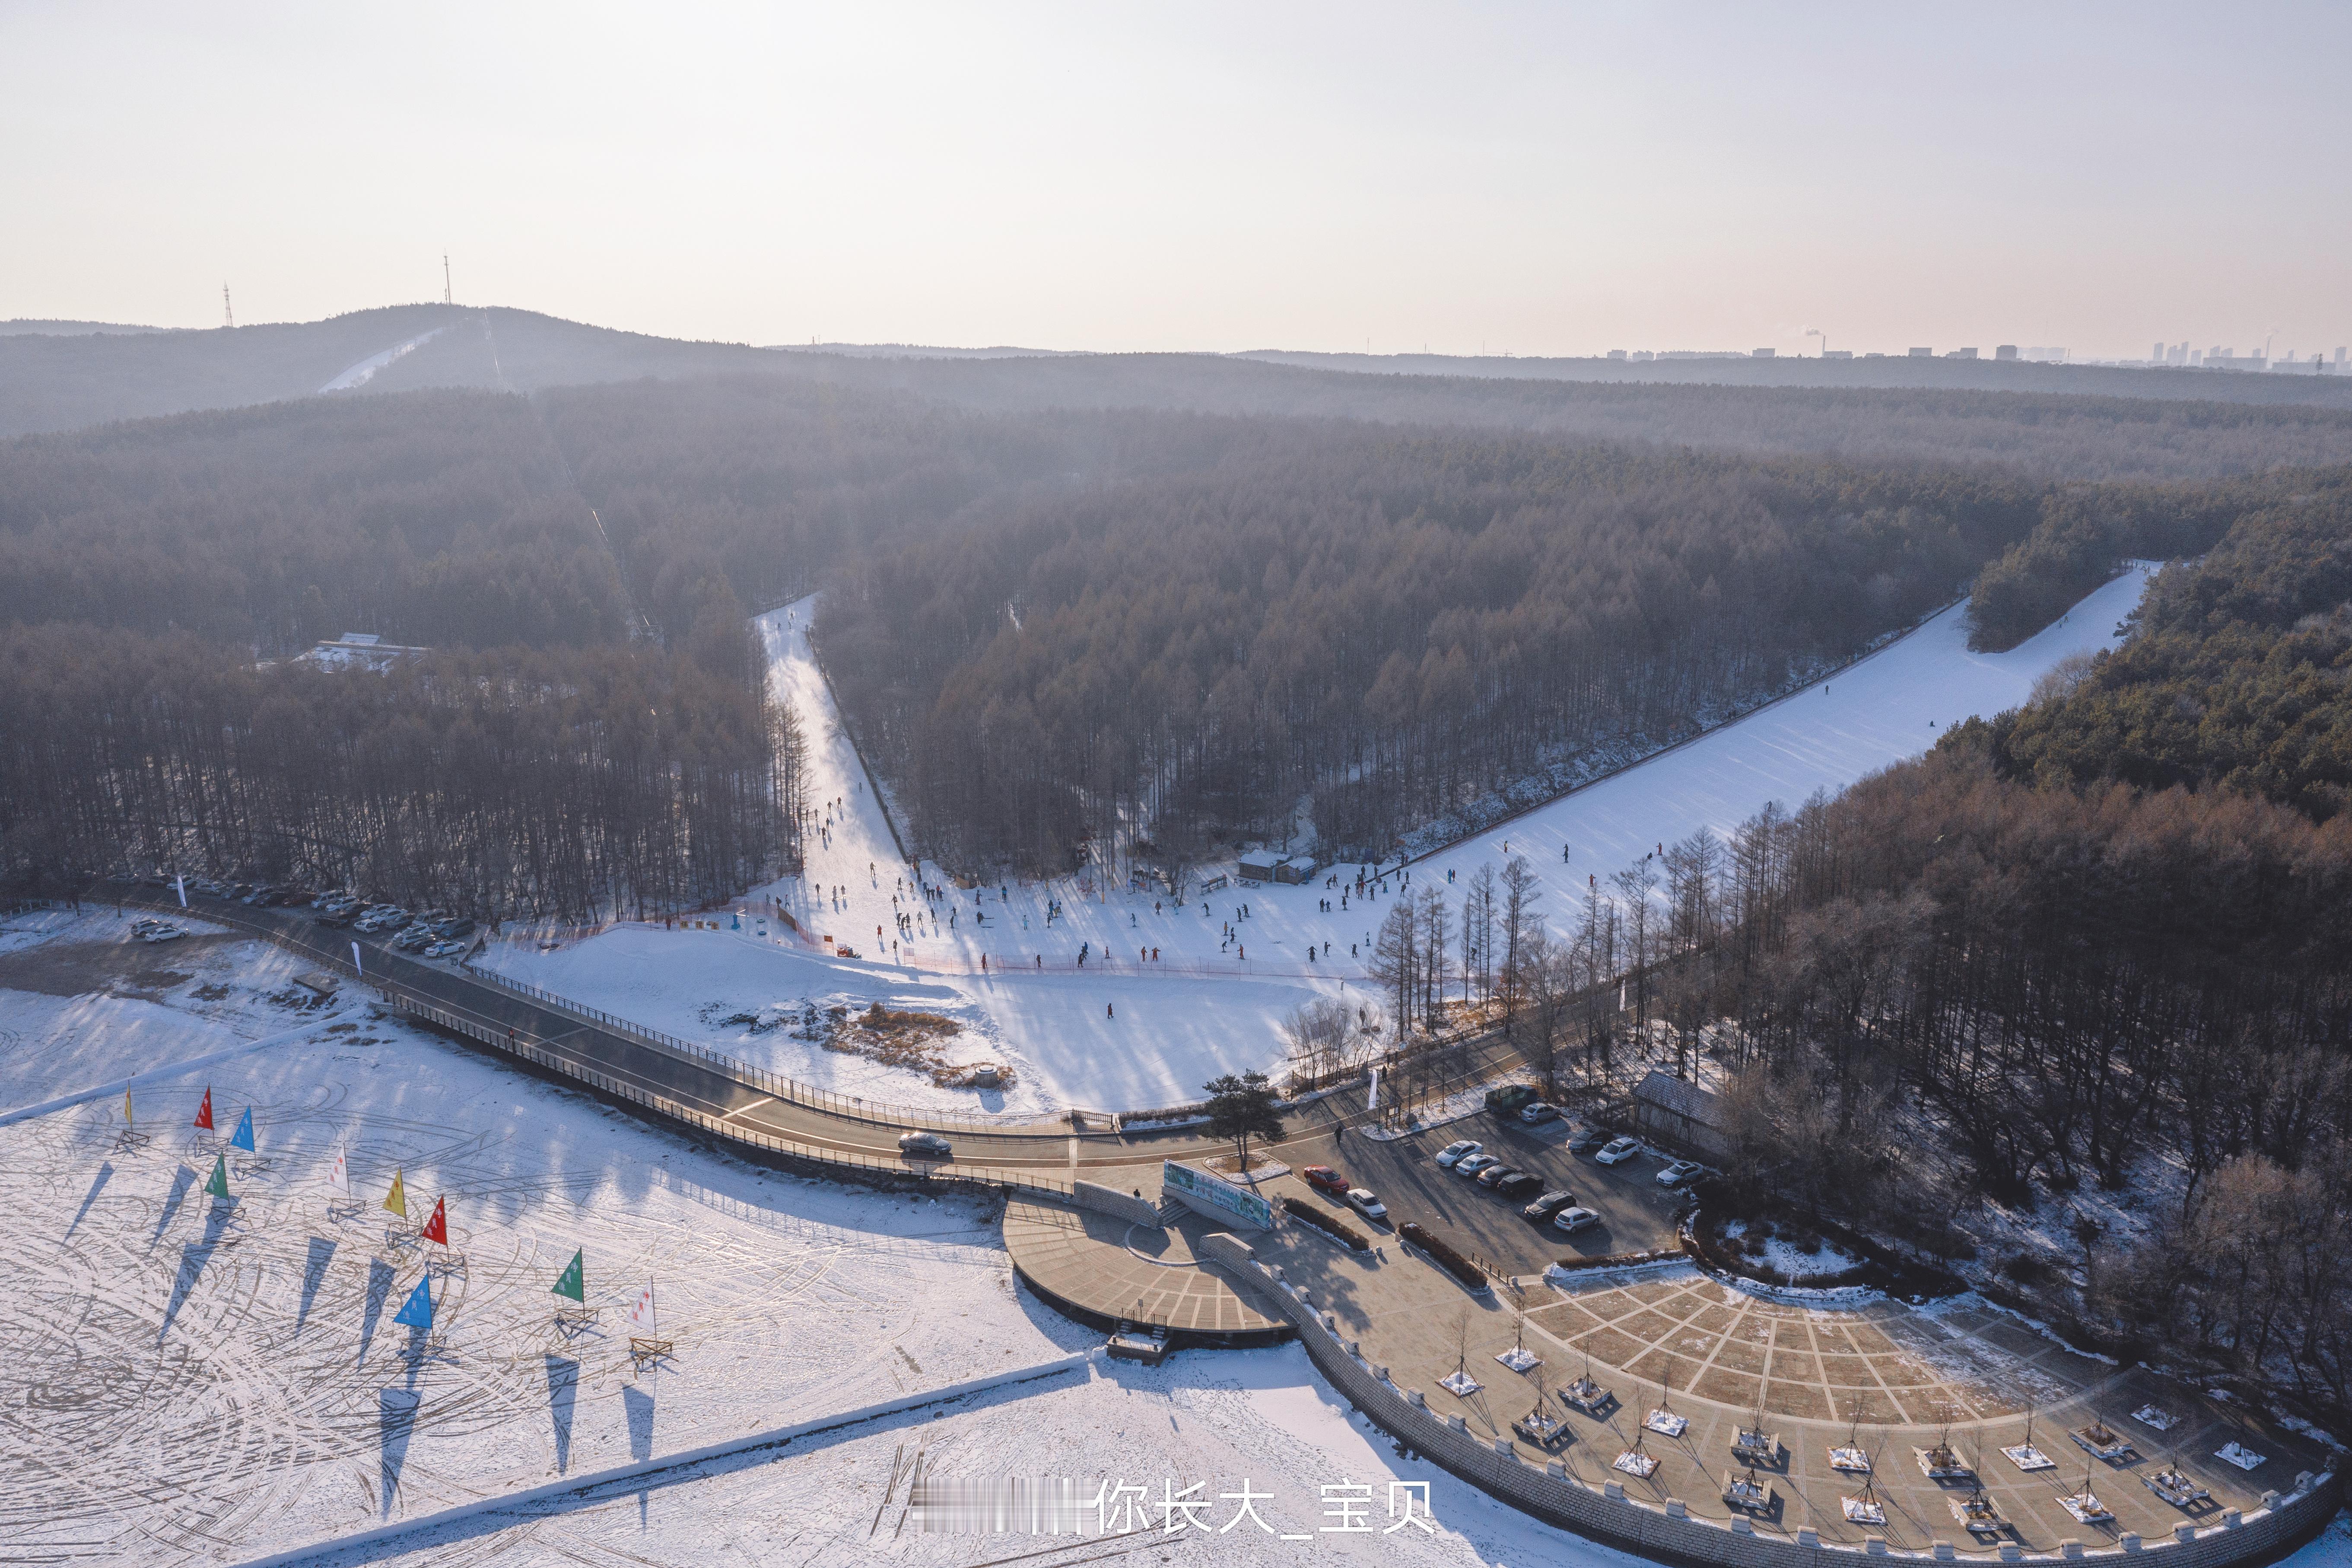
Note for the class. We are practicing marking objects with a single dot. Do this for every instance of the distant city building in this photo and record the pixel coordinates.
(2006, 350)
(1922, 354)
(1837, 353)
(2045, 356)
(1961, 353)
(1760, 353)
(1616, 353)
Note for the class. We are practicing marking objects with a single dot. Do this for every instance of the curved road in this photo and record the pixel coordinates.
(1051, 1154)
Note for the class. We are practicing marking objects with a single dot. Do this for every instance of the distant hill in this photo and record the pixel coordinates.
(1882, 371)
(21, 326)
(2077, 421)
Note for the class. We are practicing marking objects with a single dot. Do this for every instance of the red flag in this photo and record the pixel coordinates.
(205, 1111)
(436, 1229)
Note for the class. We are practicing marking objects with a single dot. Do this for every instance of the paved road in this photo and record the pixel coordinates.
(1049, 1152)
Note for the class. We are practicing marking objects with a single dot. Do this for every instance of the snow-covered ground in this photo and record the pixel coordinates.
(83, 1004)
(358, 375)
(1171, 995)
(199, 1382)
(196, 1379)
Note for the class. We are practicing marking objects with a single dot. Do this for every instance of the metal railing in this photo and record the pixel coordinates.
(533, 1051)
(777, 1085)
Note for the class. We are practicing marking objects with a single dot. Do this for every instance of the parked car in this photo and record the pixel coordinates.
(1509, 1097)
(1618, 1151)
(1324, 1179)
(457, 927)
(1572, 1220)
(1549, 1203)
(1681, 1171)
(1495, 1173)
(331, 895)
(415, 940)
(923, 1146)
(1584, 1140)
(335, 915)
(1363, 1201)
(1458, 1148)
(1541, 1110)
(161, 933)
(446, 950)
(1519, 1184)
(1471, 1164)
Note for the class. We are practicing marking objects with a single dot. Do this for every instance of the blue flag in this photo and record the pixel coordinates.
(243, 1137)
(417, 1312)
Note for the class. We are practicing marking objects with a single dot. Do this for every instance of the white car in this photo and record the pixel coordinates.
(1681, 1171)
(1618, 1151)
(161, 933)
(1458, 1150)
(1471, 1164)
(1572, 1220)
(1363, 1201)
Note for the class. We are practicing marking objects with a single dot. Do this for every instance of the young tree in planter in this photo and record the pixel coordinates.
(1241, 1109)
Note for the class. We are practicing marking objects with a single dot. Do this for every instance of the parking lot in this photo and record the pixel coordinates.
(1636, 1214)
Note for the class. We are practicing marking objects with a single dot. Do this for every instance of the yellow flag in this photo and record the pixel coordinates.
(396, 1200)
(126, 1107)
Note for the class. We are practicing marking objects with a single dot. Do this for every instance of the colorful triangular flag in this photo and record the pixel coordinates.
(338, 1176)
(641, 1316)
(436, 1229)
(243, 1137)
(417, 1312)
(396, 1200)
(574, 1281)
(218, 1185)
(205, 1111)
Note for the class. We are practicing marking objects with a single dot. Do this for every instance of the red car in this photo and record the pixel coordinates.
(1324, 1179)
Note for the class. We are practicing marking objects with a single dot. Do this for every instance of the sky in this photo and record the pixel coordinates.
(1551, 178)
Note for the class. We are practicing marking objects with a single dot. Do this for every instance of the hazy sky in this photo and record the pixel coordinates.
(1538, 178)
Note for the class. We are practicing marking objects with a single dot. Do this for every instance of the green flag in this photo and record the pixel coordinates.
(218, 1185)
(574, 1281)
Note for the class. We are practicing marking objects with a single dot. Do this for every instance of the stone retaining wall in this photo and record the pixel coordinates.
(1118, 1205)
(1668, 1535)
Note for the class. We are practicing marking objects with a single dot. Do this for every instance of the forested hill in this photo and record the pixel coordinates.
(2239, 676)
(2138, 425)
(1398, 622)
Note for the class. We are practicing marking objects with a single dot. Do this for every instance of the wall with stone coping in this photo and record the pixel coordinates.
(1552, 1495)
(1118, 1205)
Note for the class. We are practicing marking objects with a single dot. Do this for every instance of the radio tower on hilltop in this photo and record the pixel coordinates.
(447, 298)
(228, 316)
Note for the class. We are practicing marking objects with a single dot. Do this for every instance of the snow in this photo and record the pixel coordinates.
(56, 1045)
(234, 1369)
(1129, 1032)
(360, 374)
(1787, 1260)
(202, 1383)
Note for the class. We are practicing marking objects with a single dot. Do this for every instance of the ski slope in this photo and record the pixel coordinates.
(1169, 994)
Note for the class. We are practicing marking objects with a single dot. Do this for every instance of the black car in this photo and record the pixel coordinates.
(1549, 1203)
(1584, 1140)
(1519, 1184)
(1495, 1174)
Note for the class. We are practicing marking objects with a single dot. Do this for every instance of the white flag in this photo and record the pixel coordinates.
(1372, 1100)
(641, 1316)
(340, 1177)
(180, 882)
(356, 967)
